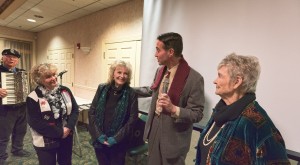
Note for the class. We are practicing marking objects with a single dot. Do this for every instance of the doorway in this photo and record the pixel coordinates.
(129, 51)
(64, 60)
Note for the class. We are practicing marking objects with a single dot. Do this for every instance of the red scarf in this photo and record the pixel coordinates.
(178, 82)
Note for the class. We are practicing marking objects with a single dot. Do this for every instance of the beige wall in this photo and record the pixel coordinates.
(121, 21)
(18, 35)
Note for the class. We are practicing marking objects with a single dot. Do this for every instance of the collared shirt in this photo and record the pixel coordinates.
(171, 77)
(14, 69)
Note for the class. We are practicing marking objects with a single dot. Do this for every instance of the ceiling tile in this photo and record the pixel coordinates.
(96, 6)
(29, 4)
(112, 2)
(58, 5)
(55, 12)
(80, 3)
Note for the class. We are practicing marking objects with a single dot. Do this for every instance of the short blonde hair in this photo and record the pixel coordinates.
(113, 67)
(245, 66)
(38, 71)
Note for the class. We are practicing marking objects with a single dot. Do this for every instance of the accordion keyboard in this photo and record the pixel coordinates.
(16, 85)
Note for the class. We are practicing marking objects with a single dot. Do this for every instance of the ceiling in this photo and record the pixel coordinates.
(47, 13)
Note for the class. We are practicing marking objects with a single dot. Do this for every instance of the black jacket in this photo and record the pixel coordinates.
(45, 129)
(131, 117)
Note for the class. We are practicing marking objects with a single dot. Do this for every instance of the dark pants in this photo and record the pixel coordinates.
(12, 123)
(62, 154)
(114, 155)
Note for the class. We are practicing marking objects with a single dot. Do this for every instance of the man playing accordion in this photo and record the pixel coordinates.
(12, 116)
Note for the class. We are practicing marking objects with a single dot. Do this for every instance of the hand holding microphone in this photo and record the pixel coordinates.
(163, 99)
(165, 85)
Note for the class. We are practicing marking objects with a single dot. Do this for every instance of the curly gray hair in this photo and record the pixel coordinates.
(40, 70)
(246, 67)
(113, 67)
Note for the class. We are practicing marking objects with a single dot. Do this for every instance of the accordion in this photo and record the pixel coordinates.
(16, 85)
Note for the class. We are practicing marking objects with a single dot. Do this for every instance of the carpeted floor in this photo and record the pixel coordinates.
(88, 156)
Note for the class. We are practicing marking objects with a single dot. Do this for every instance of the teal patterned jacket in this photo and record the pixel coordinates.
(250, 139)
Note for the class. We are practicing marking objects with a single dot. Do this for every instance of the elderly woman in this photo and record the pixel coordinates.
(239, 131)
(52, 115)
(113, 111)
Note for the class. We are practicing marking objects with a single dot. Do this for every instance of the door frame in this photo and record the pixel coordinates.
(72, 72)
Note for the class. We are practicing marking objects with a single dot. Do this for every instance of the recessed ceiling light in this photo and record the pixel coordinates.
(31, 20)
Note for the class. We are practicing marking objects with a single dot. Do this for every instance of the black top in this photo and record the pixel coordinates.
(113, 96)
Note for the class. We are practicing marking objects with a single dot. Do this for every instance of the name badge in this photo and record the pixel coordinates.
(44, 105)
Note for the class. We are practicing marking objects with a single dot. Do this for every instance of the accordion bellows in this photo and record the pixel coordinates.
(16, 85)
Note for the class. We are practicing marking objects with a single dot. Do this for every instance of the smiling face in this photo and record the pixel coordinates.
(49, 80)
(225, 88)
(120, 76)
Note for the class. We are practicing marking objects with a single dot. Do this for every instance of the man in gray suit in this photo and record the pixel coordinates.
(177, 102)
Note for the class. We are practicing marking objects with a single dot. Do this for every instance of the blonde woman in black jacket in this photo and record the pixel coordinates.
(52, 115)
(112, 114)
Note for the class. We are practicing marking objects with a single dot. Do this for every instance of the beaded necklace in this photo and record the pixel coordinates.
(207, 141)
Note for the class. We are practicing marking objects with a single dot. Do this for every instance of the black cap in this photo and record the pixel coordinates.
(12, 52)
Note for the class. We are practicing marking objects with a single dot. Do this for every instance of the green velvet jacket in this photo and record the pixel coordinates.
(250, 139)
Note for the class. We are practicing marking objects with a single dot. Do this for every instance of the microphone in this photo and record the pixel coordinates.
(62, 72)
(165, 86)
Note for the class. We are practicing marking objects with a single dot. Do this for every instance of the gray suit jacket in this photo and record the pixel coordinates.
(177, 132)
